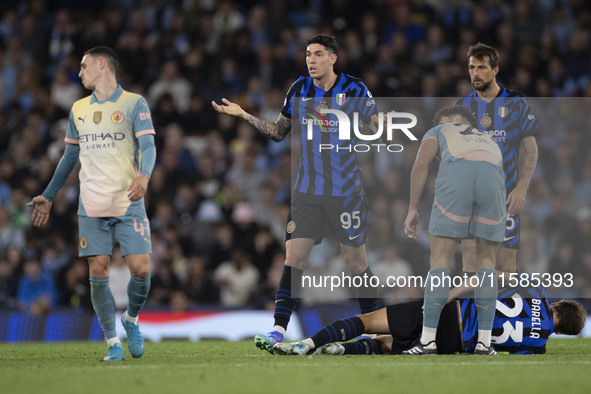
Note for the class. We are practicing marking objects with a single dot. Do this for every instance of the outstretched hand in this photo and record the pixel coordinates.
(229, 108)
(41, 207)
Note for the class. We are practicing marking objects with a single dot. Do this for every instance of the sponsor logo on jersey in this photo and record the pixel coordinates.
(497, 135)
(83, 242)
(101, 137)
(320, 121)
(343, 122)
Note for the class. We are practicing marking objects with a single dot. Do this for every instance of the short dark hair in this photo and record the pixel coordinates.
(571, 317)
(451, 110)
(329, 42)
(108, 54)
(481, 51)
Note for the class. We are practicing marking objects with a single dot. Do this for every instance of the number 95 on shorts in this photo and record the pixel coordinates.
(317, 217)
(97, 235)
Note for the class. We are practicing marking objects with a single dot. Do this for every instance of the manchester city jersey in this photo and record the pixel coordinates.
(461, 142)
(523, 321)
(110, 158)
(508, 118)
(327, 171)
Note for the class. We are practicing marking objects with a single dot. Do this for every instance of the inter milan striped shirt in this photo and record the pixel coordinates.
(523, 321)
(328, 171)
(508, 118)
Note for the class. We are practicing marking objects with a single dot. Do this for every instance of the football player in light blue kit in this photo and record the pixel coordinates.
(469, 199)
(112, 134)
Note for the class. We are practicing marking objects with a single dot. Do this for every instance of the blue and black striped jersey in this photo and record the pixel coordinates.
(327, 172)
(508, 118)
(523, 321)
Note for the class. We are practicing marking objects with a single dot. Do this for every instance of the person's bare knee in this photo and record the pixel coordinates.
(139, 265)
(98, 266)
(442, 251)
(375, 322)
(386, 342)
(486, 253)
(506, 260)
(469, 260)
(355, 258)
(297, 252)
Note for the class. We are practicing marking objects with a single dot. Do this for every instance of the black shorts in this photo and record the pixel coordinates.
(317, 217)
(511, 233)
(406, 323)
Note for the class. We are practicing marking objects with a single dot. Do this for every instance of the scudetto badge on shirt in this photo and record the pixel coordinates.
(97, 117)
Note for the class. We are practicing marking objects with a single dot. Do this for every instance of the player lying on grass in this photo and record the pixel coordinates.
(524, 320)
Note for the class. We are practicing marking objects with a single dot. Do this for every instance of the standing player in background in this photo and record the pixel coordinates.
(507, 117)
(328, 196)
(469, 199)
(112, 135)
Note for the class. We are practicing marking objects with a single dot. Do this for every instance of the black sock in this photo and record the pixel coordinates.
(363, 346)
(287, 297)
(340, 330)
(367, 297)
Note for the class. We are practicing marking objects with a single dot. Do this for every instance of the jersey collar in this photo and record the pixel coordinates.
(114, 97)
(500, 94)
(336, 82)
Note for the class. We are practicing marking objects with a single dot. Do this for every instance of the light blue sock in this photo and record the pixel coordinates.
(485, 296)
(137, 292)
(103, 304)
(436, 293)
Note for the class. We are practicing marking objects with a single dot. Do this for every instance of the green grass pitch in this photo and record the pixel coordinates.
(172, 367)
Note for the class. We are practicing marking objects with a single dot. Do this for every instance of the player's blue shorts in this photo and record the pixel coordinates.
(97, 235)
(470, 198)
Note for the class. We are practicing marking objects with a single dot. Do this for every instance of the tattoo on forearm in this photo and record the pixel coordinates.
(283, 126)
(275, 131)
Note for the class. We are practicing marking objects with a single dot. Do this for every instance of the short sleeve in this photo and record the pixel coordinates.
(527, 121)
(142, 119)
(286, 110)
(72, 135)
(432, 134)
(367, 104)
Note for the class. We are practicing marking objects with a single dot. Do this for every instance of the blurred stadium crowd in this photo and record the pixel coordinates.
(219, 195)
